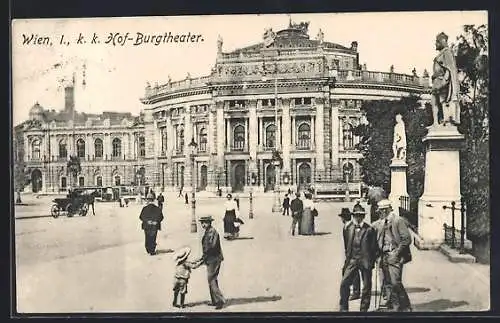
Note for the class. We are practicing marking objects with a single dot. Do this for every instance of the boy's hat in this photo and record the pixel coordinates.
(182, 254)
(358, 209)
(384, 204)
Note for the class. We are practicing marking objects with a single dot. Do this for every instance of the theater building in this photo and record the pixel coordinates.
(290, 93)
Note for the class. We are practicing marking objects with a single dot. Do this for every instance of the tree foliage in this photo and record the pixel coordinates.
(74, 167)
(376, 139)
(471, 52)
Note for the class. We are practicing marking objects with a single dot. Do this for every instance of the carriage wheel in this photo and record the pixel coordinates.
(55, 211)
(84, 209)
(69, 209)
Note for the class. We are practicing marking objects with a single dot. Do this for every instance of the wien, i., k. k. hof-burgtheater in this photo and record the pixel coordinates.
(312, 88)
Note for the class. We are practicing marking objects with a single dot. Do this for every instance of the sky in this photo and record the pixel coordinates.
(116, 75)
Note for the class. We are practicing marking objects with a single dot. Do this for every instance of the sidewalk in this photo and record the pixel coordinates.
(266, 270)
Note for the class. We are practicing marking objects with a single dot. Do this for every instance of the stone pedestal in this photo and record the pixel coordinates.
(398, 182)
(441, 186)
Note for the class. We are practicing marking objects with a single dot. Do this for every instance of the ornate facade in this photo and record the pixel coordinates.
(313, 89)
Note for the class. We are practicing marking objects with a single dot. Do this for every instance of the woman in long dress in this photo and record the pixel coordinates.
(307, 221)
(230, 217)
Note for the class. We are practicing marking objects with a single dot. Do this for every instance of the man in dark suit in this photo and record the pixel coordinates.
(346, 216)
(151, 217)
(160, 199)
(286, 205)
(360, 249)
(394, 241)
(297, 207)
(212, 257)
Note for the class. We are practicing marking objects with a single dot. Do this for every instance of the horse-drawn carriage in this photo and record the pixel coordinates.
(75, 203)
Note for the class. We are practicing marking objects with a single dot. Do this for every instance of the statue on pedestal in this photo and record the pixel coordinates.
(219, 44)
(445, 85)
(399, 141)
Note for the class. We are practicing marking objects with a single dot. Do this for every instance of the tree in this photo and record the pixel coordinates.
(74, 168)
(377, 138)
(471, 52)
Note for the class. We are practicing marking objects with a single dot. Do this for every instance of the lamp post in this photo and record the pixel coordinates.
(192, 151)
(347, 173)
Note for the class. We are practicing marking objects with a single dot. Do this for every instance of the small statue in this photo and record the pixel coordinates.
(320, 36)
(399, 141)
(445, 85)
(219, 44)
(391, 69)
(414, 72)
(169, 80)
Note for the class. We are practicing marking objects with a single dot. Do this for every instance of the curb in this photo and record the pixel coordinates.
(455, 256)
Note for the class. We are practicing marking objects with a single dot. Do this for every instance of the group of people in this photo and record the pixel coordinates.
(303, 213)
(385, 244)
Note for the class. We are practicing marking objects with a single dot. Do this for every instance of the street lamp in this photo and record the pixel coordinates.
(192, 151)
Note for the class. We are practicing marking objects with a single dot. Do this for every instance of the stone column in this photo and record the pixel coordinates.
(252, 125)
(313, 133)
(188, 133)
(398, 182)
(245, 148)
(441, 185)
(286, 135)
(320, 158)
(228, 134)
(335, 135)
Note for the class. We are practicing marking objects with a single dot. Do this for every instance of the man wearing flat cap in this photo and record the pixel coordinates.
(394, 241)
(151, 217)
(212, 257)
(360, 249)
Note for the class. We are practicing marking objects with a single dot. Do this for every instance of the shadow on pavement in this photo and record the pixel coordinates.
(161, 251)
(33, 217)
(241, 301)
(438, 305)
(321, 233)
(409, 290)
(242, 238)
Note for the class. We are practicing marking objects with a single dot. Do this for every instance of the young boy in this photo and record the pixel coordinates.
(183, 269)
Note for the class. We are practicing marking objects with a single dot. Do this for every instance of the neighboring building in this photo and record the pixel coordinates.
(110, 147)
(318, 87)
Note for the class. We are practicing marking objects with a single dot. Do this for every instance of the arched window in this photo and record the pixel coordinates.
(271, 136)
(98, 148)
(348, 172)
(142, 146)
(239, 137)
(63, 150)
(98, 181)
(81, 181)
(304, 136)
(117, 147)
(202, 139)
(180, 139)
(348, 136)
(80, 148)
(35, 149)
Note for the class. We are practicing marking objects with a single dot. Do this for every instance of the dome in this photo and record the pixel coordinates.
(36, 109)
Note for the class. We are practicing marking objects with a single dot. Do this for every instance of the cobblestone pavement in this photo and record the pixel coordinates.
(98, 263)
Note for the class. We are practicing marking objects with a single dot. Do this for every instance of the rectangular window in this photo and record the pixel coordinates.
(64, 182)
(81, 181)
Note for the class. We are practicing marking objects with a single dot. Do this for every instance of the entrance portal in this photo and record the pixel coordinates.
(203, 177)
(238, 178)
(304, 176)
(270, 178)
(36, 180)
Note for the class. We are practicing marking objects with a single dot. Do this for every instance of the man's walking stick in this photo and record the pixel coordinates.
(376, 282)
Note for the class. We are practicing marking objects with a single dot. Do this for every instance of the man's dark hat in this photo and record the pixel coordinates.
(345, 213)
(206, 219)
(358, 209)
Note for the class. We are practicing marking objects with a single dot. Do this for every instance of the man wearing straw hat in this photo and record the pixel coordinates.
(212, 257)
(360, 249)
(394, 241)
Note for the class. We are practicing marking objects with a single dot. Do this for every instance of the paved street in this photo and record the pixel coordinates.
(98, 264)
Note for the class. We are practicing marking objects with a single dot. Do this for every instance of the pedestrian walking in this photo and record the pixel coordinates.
(394, 241)
(180, 191)
(297, 208)
(212, 257)
(231, 231)
(186, 198)
(160, 199)
(346, 216)
(151, 217)
(237, 201)
(361, 249)
(286, 205)
(183, 269)
(309, 212)
(92, 201)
